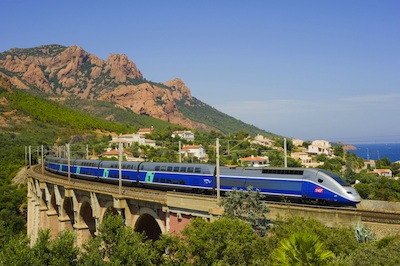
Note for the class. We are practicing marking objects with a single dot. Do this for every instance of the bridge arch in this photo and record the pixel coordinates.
(147, 220)
(85, 218)
(53, 214)
(67, 214)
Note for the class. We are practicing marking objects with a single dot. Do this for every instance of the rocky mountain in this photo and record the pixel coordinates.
(60, 72)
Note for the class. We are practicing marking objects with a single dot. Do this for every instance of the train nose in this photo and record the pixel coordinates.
(353, 194)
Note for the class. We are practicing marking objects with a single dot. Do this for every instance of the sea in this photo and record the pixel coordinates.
(378, 151)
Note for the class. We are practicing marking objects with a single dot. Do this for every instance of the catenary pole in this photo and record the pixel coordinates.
(285, 153)
(218, 170)
(42, 161)
(120, 167)
(69, 163)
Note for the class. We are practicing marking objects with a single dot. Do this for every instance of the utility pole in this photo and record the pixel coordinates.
(42, 161)
(30, 156)
(120, 168)
(69, 163)
(26, 157)
(285, 153)
(218, 171)
(180, 154)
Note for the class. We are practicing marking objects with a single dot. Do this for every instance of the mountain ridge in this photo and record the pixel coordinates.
(59, 72)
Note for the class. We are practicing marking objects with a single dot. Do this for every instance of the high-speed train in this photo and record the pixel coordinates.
(303, 184)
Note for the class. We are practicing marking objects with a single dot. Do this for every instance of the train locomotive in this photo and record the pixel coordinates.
(295, 184)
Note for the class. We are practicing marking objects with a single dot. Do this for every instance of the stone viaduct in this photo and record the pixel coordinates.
(60, 204)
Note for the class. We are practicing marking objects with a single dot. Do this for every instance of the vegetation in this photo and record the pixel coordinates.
(248, 206)
(203, 113)
(226, 241)
(48, 112)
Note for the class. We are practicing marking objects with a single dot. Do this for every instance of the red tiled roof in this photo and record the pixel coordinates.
(252, 159)
(191, 147)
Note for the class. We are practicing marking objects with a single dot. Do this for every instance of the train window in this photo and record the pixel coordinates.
(320, 180)
(190, 169)
(282, 172)
(176, 169)
(155, 179)
(168, 180)
(157, 168)
(197, 170)
(183, 169)
(182, 182)
(169, 168)
(163, 168)
(125, 176)
(175, 181)
(162, 180)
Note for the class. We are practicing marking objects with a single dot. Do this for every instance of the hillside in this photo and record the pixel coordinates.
(72, 76)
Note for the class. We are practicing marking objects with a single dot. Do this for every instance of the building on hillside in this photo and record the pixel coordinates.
(383, 172)
(183, 134)
(369, 164)
(254, 161)
(195, 151)
(297, 142)
(320, 147)
(115, 154)
(145, 131)
(304, 157)
(127, 140)
(261, 140)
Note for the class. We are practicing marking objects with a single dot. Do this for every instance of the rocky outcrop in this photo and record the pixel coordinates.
(122, 68)
(148, 99)
(71, 71)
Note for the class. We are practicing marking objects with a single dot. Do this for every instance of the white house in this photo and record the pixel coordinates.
(254, 161)
(297, 142)
(261, 140)
(304, 157)
(128, 139)
(183, 134)
(115, 153)
(194, 151)
(383, 172)
(320, 147)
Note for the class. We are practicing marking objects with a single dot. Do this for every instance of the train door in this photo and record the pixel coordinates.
(309, 179)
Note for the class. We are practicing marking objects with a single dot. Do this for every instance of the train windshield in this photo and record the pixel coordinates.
(335, 177)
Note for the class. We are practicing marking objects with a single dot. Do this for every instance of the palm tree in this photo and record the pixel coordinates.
(301, 249)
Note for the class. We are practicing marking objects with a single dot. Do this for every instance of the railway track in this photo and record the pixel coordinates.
(371, 216)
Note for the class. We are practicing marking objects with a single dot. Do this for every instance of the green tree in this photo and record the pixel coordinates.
(339, 240)
(16, 252)
(338, 151)
(118, 244)
(383, 252)
(225, 241)
(248, 206)
(301, 249)
(59, 251)
(383, 163)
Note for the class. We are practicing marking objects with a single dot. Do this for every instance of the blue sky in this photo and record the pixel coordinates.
(302, 69)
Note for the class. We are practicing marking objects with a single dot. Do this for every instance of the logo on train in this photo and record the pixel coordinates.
(207, 181)
(319, 190)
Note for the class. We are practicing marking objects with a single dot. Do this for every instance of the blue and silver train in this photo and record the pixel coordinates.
(300, 184)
